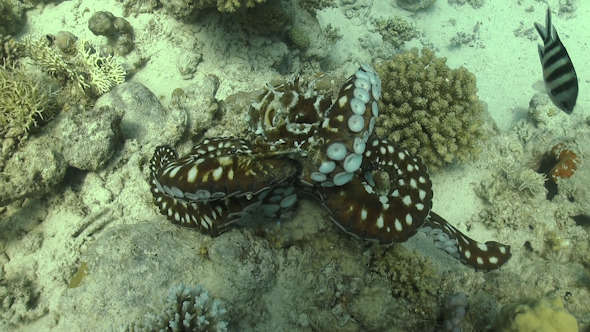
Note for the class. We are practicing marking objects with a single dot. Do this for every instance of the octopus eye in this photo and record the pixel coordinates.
(50, 39)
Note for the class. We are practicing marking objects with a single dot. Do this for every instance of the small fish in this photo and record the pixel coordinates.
(561, 81)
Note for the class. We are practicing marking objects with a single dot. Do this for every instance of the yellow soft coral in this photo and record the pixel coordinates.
(536, 315)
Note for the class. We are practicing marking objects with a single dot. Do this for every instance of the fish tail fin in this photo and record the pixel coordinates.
(545, 31)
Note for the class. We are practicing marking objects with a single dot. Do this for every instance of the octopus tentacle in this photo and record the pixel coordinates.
(220, 168)
(219, 184)
(481, 256)
(345, 130)
(303, 142)
(390, 203)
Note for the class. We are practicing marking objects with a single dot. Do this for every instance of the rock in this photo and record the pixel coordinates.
(143, 117)
(33, 170)
(87, 138)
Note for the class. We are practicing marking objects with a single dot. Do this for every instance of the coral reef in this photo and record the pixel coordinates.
(307, 35)
(118, 31)
(270, 18)
(519, 196)
(395, 31)
(313, 6)
(431, 109)
(134, 103)
(512, 192)
(12, 17)
(415, 5)
(198, 102)
(473, 3)
(567, 6)
(78, 138)
(87, 139)
(468, 38)
(542, 111)
(10, 50)
(139, 6)
(186, 309)
(86, 70)
(230, 6)
(412, 276)
(24, 103)
(539, 315)
(188, 9)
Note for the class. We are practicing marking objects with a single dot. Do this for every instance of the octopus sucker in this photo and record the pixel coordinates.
(302, 142)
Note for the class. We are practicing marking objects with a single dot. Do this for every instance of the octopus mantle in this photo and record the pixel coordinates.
(305, 143)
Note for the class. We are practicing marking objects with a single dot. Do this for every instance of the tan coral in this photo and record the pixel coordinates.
(430, 109)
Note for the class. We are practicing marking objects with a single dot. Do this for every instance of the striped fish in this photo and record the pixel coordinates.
(561, 81)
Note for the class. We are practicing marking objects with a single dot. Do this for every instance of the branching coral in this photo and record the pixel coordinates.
(429, 109)
(186, 309)
(24, 103)
(104, 71)
(10, 50)
(86, 69)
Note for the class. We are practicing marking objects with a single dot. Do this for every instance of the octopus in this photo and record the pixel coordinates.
(306, 144)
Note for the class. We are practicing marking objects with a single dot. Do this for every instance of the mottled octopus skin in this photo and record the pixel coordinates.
(305, 143)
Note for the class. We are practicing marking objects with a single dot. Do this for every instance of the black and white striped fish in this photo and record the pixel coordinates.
(561, 81)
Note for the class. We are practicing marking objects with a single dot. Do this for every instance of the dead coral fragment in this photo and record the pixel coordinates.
(396, 31)
(430, 109)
